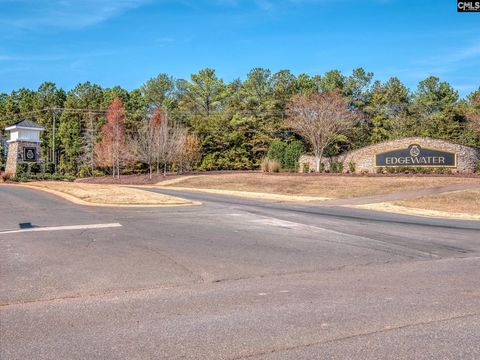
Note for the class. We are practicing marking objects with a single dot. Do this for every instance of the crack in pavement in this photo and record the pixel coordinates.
(119, 292)
(353, 336)
(198, 277)
(313, 271)
(115, 292)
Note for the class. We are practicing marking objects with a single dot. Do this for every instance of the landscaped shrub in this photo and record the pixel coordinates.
(352, 167)
(336, 167)
(49, 168)
(270, 165)
(33, 171)
(276, 151)
(19, 178)
(42, 176)
(416, 170)
(35, 168)
(292, 154)
(23, 169)
(395, 169)
(306, 168)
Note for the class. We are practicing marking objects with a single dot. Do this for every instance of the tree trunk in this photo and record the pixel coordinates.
(317, 163)
(118, 167)
(150, 170)
(165, 169)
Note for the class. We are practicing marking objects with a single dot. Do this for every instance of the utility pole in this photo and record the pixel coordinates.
(54, 155)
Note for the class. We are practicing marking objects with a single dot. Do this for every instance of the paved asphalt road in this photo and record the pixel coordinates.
(233, 279)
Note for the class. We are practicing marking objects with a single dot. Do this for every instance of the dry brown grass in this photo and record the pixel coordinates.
(106, 194)
(391, 208)
(320, 186)
(466, 201)
(4, 177)
(269, 165)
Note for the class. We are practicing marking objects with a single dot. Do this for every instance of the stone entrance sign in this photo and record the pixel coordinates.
(417, 156)
(408, 152)
(24, 144)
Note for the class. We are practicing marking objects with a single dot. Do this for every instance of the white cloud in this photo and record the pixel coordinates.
(271, 5)
(441, 64)
(51, 57)
(32, 14)
(466, 53)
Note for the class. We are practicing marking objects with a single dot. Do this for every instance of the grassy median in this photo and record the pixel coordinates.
(467, 201)
(114, 195)
(319, 186)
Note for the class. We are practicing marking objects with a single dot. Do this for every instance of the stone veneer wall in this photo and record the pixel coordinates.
(15, 154)
(364, 158)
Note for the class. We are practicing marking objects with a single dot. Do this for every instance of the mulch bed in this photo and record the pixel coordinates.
(143, 179)
(135, 179)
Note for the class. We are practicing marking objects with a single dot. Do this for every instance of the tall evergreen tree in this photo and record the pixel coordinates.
(158, 91)
(47, 100)
(387, 110)
(82, 99)
(203, 94)
(433, 111)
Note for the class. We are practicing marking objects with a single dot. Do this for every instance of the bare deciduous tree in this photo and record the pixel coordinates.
(161, 145)
(176, 143)
(190, 153)
(168, 140)
(144, 143)
(89, 141)
(319, 118)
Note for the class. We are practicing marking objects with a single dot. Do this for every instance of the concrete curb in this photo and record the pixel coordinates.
(397, 209)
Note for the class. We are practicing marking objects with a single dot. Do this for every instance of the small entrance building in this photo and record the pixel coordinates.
(23, 144)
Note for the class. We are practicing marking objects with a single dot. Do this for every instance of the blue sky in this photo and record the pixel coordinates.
(126, 42)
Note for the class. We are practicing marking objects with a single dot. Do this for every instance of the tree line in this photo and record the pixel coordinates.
(209, 124)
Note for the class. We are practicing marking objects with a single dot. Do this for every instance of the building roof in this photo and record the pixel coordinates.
(25, 123)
